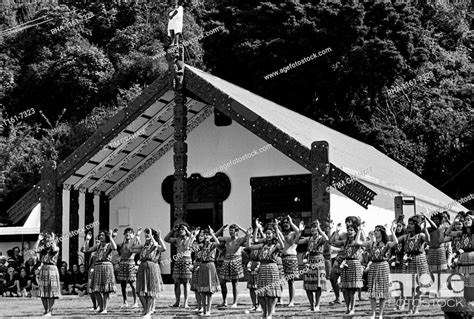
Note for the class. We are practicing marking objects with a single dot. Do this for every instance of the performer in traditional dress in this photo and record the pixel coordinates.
(268, 280)
(208, 280)
(414, 246)
(232, 269)
(455, 242)
(335, 269)
(182, 270)
(466, 258)
(437, 261)
(315, 273)
(90, 278)
(219, 262)
(104, 279)
(351, 268)
(148, 282)
(126, 271)
(48, 278)
(175, 23)
(378, 268)
(252, 268)
(396, 259)
(197, 235)
(291, 235)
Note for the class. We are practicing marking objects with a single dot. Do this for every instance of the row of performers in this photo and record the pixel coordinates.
(266, 244)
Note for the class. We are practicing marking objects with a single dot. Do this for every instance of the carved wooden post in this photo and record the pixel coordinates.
(51, 199)
(180, 148)
(320, 182)
(3, 159)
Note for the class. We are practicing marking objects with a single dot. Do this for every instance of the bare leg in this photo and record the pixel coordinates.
(373, 307)
(209, 303)
(335, 286)
(144, 305)
(310, 296)
(271, 304)
(45, 303)
(100, 301)
(263, 303)
(346, 299)
(224, 292)
(352, 299)
(51, 304)
(106, 298)
(382, 307)
(235, 292)
(123, 285)
(253, 296)
(134, 294)
(186, 293)
(200, 303)
(291, 290)
(94, 300)
(177, 293)
(318, 298)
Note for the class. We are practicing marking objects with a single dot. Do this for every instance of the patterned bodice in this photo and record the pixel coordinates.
(254, 255)
(196, 248)
(315, 245)
(104, 253)
(207, 253)
(48, 256)
(268, 253)
(467, 242)
(378, 253)
(456, 244)
(414, 245)
(149, 252)
(353, 251)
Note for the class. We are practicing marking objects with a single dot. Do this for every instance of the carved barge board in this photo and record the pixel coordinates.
(269, 133)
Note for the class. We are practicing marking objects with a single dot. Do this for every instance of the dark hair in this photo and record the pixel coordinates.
(355, 221)
(383, 231)
(20, 269)
(13, 249)
(128, 229)
(417, 220)
(106, 233)
(271, 227)
(234, 226)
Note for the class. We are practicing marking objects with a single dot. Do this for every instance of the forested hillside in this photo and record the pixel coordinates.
(76, 66)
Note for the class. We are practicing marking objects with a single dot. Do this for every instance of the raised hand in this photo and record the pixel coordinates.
(338, 227)
(276, 221)
(289, 218)
(139, 231)
(89, 236)
(40, 237)
(301, 226)
(158, 232)
(210, 230)
(249, 231)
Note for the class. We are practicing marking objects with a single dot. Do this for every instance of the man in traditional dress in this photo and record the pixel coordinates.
(291, 235)
(127, 271)
(182, 270)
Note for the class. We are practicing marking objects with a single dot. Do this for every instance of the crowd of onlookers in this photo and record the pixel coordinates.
(19, 275)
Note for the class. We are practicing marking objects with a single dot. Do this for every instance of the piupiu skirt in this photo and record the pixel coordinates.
(194, 279)
(253, 275)
(379, 280)
(315, 275)
(207, 278)
(351, 276)
(437, 259)
(48, 282)
(127, 271)
(290, 265)
(104, 279)
(182, 269)
(466, 267)
(148, 279)
(232, 269)
(268, 280)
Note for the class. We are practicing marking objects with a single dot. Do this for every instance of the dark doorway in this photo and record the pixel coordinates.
(197, 215)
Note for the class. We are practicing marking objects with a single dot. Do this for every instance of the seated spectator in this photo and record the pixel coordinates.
(30, 266)
(3, 267)
(80, 284)
(12, 286)
(25, 283)
(34, 283)
(15, 258)
(65, 280)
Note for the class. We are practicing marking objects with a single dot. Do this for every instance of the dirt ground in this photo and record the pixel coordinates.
(78, 307)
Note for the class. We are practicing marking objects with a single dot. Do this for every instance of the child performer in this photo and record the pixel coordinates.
(232, 269)
(351, 273)
(196, 246)
(253, 266)
(379, 269)
(268, 280)
(48, 279)
(315, 275)
(104, 279)
(90, 278)
(148, 282)
(126, 272)
(182, 268)
(414, 246)
(208, 280)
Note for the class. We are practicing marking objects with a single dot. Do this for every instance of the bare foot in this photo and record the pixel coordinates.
(175, 305)
(234, 305)
(291, 304)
